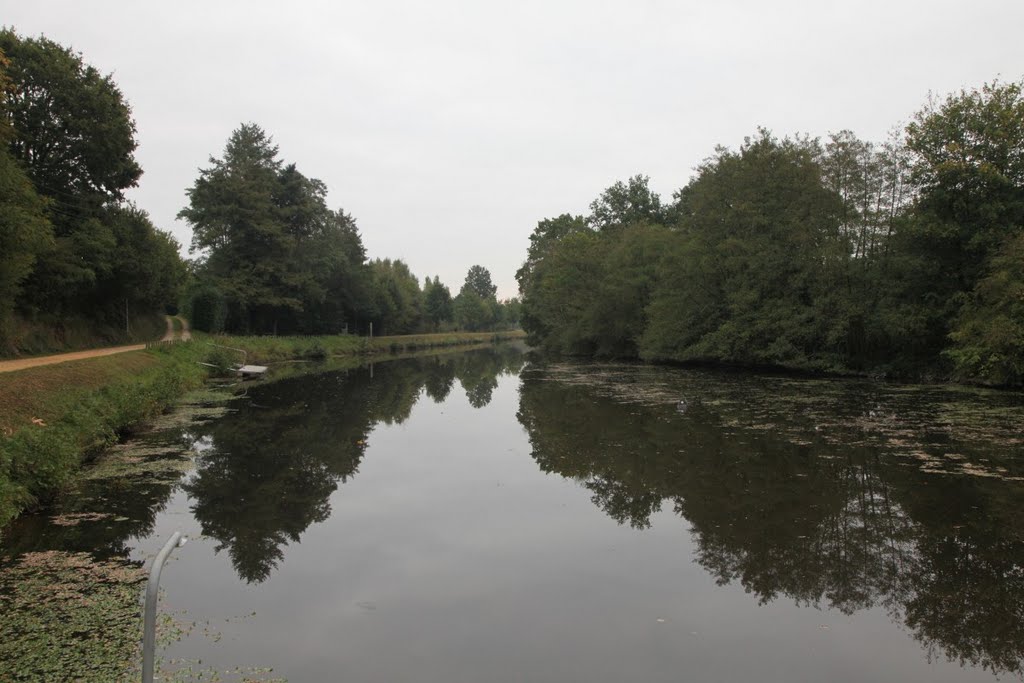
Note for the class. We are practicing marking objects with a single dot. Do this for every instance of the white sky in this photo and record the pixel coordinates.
(448, 129)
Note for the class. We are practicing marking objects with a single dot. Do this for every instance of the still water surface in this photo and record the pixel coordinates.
(474, 517)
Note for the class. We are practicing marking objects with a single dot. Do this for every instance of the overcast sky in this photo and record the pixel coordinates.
(448, 129)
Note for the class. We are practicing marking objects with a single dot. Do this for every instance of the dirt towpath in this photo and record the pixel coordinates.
(25, 363)
(184, 334)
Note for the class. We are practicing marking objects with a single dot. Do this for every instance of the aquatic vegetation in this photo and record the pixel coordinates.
(69, 616)
(86, 609)
(931, 426)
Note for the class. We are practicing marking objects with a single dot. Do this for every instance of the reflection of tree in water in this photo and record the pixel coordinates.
(478, 375)
(276, 461)
(476, 371)
(440, 380)
(819, 523)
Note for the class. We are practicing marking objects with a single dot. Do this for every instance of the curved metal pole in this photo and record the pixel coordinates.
(149, 620)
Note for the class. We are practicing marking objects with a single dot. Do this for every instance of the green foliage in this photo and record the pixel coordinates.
(478, 280)
(282, 260)
(472, 312)
(397, 302)
(968, 158)
(147, 272)
(618, 314)
(969, 161)
(763, 247)
(221, 361)
(73, 130)
(563, 286)
(207, 309)
(989, 333)
(476, 308)
(25, 233)
(625, 204)
(267, 350)
(437, 302)
(545, 236)
(73, 135)
(69, 246)
(511, 311)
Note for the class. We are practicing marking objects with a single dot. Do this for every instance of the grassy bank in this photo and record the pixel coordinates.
(54, 417)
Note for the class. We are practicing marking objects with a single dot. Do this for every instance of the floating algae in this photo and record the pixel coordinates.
(940, 429)
(68, 616)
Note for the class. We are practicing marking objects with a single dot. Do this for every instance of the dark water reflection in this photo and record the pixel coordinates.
(838, 519)
(461, 517)
(277, 460)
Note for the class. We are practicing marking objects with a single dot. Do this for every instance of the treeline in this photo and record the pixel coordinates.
(270, 257)
(274, 258)
(902, 259)
(70, 245)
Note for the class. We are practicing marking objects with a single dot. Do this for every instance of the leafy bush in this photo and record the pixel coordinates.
(223, 361)
(208, 309)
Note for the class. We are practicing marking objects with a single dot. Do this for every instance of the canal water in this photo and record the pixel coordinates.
(485, 516)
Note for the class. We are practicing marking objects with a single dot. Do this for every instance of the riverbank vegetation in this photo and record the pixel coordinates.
(904, 258)
(54, 417)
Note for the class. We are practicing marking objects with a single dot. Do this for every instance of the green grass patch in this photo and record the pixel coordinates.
(81, 407)
(49, 391)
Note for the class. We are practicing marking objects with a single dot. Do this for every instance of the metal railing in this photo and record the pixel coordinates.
(149, 619)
